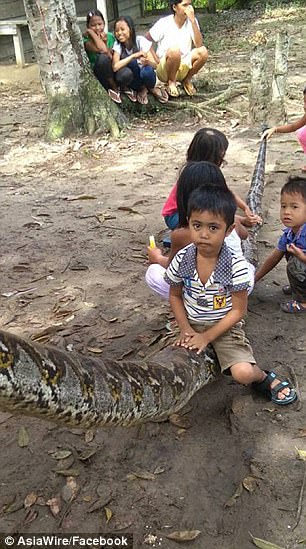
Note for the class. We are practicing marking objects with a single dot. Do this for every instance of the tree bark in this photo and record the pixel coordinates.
(278, 114)
(259, 88)
(77, 102)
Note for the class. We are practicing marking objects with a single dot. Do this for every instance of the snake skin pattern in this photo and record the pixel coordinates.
(79, 390)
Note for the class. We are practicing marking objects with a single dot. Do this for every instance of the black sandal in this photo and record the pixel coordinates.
(264, 388)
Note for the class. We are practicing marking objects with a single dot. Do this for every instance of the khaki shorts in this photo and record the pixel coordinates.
(232, 347)
(161, 71)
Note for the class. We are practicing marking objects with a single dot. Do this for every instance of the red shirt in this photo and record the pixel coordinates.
(170, 206)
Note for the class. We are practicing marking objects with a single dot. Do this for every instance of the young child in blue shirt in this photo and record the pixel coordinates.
(208, 293)
(292, 245)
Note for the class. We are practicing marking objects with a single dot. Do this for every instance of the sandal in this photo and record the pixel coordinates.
(142, 97)
(115, 96)
(287, 290)
(172, 90)
(293, 307)
(160, 94)
(265, 389)
(189, 88)
(131, 94)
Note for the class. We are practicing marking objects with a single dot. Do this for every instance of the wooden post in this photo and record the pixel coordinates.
(278, 112)
(101, 5)
(259, 89)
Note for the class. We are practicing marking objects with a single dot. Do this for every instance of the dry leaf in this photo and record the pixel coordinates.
(80, 197)
(262, 544)
(29, 500)
(55, 505)
(23, 437)
(89, 435)
(70, 490)
(184, 535)
(67, 472)
(30, 516)
(158, 470)
(235, 496)
(99, 504)
(61, 454)
(87, 454)
(179, 421)
(12, 506)
(144, 475)
(301, 454)
(95, 350)
(250, 484)
(108, 514)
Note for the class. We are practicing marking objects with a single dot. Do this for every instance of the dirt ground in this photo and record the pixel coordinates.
(75, 219)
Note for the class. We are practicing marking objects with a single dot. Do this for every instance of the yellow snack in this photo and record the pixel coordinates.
(152, 242)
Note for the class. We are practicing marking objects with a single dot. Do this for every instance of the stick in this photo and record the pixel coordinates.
(296, 385)
(299, 509)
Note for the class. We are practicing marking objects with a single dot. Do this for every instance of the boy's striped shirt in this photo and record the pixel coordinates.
(213, 300)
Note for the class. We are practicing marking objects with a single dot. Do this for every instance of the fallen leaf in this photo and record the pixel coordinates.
(80, 197)
(108, 514)
(262, 544)
(250, 484)
(67, 472)
(12, 506)
(179, 421)
(301, 454)
(89, 435)
(184, 535)
(23, 437)
(235, 496)
(70, 490)
(29, 500)
(55, 505)
(158, 470)
(30, 516)
(99, 504)
(87, 454)
(61, 454)
(95, 350)
(144, 475)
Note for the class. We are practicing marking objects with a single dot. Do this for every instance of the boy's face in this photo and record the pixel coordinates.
(179, 9)
(207, 232)
(293, 210)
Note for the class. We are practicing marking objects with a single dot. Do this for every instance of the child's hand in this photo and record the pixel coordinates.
(138, 54)
(196, 342)
(252, 218)
(297, 252)
(155, 255)
(103, 37)
(268, 133)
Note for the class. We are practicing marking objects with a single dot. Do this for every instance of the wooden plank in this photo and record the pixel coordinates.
(19, 53)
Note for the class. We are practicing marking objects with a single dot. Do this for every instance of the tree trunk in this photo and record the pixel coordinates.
(77, 102)
(259, 89)
(212, 8)
(278, 114)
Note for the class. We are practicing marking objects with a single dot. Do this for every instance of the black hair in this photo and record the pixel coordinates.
(93, 13)
(295, 185)
(208, 144)
(130, 23)
(192, 176)
(174, 3)
(217, 200)
(304, 92)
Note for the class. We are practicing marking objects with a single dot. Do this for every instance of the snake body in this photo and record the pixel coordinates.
(79, 390)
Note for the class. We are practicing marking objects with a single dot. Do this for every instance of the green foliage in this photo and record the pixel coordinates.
(163, 5)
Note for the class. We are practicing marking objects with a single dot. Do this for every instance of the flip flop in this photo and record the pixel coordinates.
(293, 307)
(189, 88)
(142, 98)
(131, 94)
(115, 96)
(172, 90)
(161, 95)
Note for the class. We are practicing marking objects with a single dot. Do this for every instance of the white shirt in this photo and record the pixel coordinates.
(167, 34)
(141, 42)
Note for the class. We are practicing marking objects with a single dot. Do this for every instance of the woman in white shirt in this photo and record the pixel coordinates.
(134, 61)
